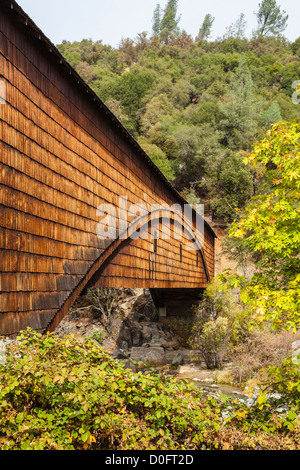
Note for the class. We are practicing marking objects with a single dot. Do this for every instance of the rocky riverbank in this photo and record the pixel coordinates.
(138, 338)
(135, 332)
(135, 335)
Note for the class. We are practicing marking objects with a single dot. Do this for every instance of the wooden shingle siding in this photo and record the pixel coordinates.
(62, 155)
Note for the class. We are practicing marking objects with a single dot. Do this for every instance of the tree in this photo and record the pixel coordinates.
(155, 109)
(169, 21)
(270, 18)
(237, 29)
(228, 184)
(272, 114)
(195, 145)
(116, 108)
(127, 51)
(205, 30)
(240, 26)
(240, 107)
(156, 22)
(269, 226)
(141, 44)
(131, 88)
(295, 47)
(158, 157)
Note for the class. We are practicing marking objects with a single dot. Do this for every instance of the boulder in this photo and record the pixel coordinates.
(119, 354)
(155, 356)
(124, 340)
(178, 360)
(144, 309)
(296, 345)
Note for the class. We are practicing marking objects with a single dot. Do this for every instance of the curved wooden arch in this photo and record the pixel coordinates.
(105, 258)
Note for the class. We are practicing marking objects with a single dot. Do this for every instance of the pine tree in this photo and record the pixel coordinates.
(156, 28)
(240, 107)
(270, 18)
(272, 115)
(205, 30)
(169, 21)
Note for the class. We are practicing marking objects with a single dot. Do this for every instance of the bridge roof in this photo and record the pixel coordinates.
(37, 35)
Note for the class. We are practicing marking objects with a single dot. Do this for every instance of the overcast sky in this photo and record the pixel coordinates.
(112, 20)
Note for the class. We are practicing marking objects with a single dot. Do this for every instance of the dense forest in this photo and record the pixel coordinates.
(196, 106)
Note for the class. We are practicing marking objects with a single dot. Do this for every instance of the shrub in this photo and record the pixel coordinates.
(70, 395)
(104, 300)
(219, 324)
(66, 394)
(212, 342)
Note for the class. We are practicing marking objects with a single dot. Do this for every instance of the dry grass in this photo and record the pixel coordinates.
(263, 348)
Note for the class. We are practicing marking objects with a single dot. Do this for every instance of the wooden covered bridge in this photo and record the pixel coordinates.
(64, 154)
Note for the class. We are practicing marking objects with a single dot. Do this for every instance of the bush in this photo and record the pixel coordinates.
(212, 342)
(65, 394)
(219, 324)
(69, 395)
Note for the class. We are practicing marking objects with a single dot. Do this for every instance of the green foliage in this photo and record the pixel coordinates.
(158, 157)
(131, 88)
(169, 21)
(276, 404)
(216, 302)
(270, 18)
(270, 226)
(98, 336)
(61, 394)
(272, 115)
(212, 342)
(290, 73)
(205, 29)
(156, 20)
(284, 383)
(240, 107)
(219, 324)
(229, 186)
(195, 105)
(295, 47)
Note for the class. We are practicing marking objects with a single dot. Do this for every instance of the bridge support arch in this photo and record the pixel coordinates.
(162, 265)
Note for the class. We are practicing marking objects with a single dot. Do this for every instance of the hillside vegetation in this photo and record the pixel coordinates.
(196, 106)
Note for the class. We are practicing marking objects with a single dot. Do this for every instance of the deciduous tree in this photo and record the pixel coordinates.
(270, 226)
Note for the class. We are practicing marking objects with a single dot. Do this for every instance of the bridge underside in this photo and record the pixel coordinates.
(176, 302)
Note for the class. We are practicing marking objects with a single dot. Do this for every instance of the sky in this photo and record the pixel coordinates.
(112, 20)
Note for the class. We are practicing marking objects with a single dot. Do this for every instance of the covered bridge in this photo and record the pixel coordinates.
(69, 173)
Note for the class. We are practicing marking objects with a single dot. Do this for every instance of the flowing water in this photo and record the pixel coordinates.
(228, 390)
